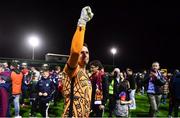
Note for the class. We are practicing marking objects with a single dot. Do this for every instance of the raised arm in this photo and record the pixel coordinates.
(77, 42)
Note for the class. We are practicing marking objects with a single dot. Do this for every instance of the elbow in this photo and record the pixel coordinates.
(75, 55)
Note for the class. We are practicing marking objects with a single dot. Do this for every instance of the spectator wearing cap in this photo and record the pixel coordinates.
(16, 77)
(4, 91)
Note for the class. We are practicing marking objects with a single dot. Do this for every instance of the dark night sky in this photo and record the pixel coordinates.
(143, 31)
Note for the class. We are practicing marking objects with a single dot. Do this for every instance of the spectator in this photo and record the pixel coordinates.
(154, 81)
(4, 91)
(113, 84)
(45, 90)
(55, 77)
(16, 77)
(35, 73)
(25, 83)
(165, 87)
(33, 95)
(122, 98)
(171, 99)
(6, 67)
(176, 93)
(99, 89)
(132, 82)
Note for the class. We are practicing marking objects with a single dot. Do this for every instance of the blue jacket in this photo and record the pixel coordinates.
(45, 85)
(157, 82)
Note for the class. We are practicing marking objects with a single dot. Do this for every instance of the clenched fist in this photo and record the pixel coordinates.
(86, 15)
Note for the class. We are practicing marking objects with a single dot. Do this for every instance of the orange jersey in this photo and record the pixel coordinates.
(82, 95)
(82, 85)
(16, 82)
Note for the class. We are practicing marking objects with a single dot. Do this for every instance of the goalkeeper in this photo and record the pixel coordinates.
(76, 85)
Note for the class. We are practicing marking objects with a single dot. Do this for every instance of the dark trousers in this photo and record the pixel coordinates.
(96, 111)
(33, 103)
(176, 107)
(23, 95)
(163, 99)
(171, 105)
(56, 96)
(111, 104)
(44, 107)
(10, 101)
(3, 102)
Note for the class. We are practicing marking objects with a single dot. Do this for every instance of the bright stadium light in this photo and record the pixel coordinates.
(113, 51)
(34, 42)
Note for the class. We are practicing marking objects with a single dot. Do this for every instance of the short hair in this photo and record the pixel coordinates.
(155, 62)
(45, 70)
(129, 69)
(117, 70)
(85, 45)
(96, 63)
(57, 67)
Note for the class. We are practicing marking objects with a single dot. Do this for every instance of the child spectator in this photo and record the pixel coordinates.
(45, 89)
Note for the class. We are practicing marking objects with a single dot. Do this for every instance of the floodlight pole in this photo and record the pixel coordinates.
(33, 53)
(113, 51)
(113, 60)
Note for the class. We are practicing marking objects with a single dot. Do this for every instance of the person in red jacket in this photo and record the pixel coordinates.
(4, 91)
(99, 82)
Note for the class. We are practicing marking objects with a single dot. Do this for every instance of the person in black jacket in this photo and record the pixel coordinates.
(154, 80)
(45, 90)
(33, 94)
(99, 89)
(176, 93)
(171, 93)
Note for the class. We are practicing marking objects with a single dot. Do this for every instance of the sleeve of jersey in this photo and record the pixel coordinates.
(71, 68)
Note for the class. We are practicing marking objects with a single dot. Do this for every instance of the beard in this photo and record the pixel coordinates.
(83, 62)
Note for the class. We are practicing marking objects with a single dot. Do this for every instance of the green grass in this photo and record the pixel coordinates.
(141, 110)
